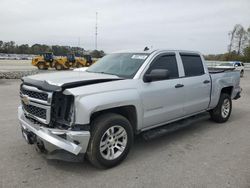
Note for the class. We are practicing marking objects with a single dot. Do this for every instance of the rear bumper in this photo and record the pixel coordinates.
(74, 142)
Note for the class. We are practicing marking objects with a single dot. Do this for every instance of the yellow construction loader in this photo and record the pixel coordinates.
(69, 61)
(44, 61)
(89, 60)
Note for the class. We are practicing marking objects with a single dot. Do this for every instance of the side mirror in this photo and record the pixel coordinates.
(235, 65)
(156, 74)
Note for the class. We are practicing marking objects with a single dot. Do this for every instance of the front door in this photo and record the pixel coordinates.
(162, 99)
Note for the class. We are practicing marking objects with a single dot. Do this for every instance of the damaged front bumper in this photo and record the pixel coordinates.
(51, 139)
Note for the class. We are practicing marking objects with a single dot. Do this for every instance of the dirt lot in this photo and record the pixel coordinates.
(205, 154)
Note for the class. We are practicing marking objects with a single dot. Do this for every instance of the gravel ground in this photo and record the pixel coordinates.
(17, 74)
(205, 154)
(13, 65)
(16, 69)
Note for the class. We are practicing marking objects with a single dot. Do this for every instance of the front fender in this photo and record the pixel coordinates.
(85, 106)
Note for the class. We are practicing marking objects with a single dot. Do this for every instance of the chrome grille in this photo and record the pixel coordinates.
(36, 111)
(34, 94)
(36, 103)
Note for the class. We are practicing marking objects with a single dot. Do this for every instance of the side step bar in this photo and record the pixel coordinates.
(165, 129)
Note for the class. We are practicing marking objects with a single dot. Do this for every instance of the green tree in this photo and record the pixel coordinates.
(1, 44)
(97, 54)
(23, 49)
(247, 54)
(11, 47)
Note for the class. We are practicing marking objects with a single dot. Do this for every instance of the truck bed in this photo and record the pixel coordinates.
(221, 79)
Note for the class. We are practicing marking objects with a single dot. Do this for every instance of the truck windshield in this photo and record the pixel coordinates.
(120, 64)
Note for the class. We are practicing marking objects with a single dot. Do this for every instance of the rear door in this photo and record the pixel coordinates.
(196, 83)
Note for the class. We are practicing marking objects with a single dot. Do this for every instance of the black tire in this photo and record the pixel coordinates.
(41, 66)
(58, 66)
(99, 126)
(79, 65)
(217, 113)
(52, 64)
(67, 65)
(241, 73)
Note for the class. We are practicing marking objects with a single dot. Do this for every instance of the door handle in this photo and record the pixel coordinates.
(206, 81)
(178, 85)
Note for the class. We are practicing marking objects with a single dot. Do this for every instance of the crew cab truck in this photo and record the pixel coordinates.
(97, 113)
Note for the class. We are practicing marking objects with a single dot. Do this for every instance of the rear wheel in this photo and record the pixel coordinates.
(58, 66)
(110, 142)
(222, 111)
(67, 65)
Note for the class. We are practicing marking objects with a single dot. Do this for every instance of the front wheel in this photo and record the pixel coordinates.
(222, 111)
(41, 66)
(79, 65)
(110, 142)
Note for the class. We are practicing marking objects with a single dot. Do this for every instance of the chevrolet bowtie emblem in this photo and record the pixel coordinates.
(25, 99)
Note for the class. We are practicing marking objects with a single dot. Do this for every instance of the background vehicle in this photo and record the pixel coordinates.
(98, 112)
(89, 60)
(44, 61)
(236, 65)
(69, 61)
(240, 67)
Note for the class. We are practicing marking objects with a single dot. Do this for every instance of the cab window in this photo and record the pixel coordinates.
(167, 62)
(192, 64)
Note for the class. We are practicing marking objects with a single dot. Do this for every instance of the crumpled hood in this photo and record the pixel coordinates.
(66, 79)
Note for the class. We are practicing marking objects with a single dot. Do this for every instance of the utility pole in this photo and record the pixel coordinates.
(79, 42)
(96, 30)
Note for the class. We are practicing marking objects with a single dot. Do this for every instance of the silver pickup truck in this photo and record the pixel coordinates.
(96, 113)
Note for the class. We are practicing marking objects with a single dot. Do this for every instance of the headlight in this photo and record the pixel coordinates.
(63, 109)
(71, 114)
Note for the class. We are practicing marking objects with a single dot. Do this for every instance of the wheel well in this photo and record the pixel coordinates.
(127, 111)
(227, 90)
(40, 62)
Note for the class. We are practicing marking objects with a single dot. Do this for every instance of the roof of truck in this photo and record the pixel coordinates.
(155, 50)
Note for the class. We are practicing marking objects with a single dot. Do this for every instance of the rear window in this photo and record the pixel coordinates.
(192, 64)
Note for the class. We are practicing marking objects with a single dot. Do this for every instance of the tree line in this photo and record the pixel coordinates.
(12, 48)
(238, 48)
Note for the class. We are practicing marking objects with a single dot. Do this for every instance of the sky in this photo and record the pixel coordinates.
(200, 25)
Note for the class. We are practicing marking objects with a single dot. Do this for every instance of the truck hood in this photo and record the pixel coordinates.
(66, 79)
